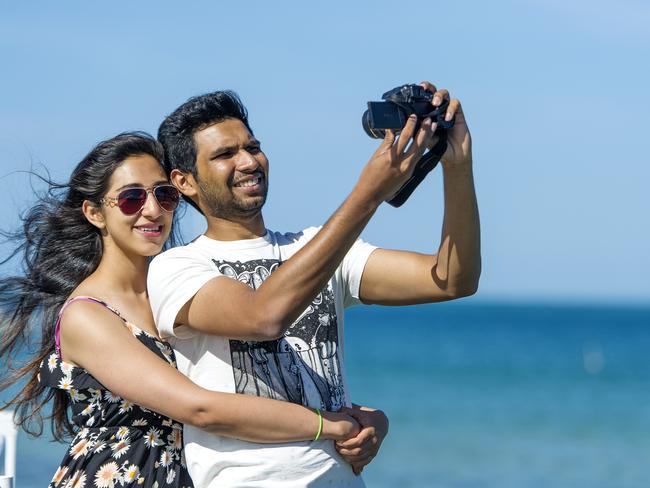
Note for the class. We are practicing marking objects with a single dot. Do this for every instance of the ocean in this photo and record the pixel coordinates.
(489, 395)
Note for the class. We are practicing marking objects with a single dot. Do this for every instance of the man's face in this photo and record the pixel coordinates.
(232, 170)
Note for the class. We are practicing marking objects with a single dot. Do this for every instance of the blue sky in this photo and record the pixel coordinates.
(555, 92)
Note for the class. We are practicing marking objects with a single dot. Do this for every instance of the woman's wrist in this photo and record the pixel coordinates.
(337, 426)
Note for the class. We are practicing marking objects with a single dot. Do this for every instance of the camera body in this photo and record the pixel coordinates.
(399, 104)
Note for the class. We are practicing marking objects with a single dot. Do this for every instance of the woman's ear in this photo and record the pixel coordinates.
(93, 214)
(185, 182)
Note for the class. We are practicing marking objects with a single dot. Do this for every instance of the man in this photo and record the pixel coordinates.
(259, 312)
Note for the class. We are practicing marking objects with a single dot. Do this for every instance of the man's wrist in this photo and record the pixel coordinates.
(366, 199)
(457, 166)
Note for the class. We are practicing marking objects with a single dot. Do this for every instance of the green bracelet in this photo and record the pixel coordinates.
(320, 425)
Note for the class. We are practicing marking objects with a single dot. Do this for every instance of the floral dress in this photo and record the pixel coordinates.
(119, 444)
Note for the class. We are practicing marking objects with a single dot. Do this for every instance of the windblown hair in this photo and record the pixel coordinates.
(176, 133)
(58, 249)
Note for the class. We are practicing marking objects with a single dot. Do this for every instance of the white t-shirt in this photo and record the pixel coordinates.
(305, 366)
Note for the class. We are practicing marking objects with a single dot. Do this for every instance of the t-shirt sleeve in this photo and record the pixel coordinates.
(174, 278)
(352, 268)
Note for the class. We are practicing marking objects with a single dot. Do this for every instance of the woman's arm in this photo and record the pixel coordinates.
(109, 352)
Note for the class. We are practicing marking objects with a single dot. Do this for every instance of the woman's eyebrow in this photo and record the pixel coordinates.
(140, 185)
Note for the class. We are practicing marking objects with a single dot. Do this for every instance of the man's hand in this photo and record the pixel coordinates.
(361, 449)
(395, 158)
(459, 141)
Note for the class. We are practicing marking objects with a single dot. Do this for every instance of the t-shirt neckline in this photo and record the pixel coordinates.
(253, 243)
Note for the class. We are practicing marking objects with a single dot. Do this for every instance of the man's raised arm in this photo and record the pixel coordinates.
(401, 277)
(228, 308)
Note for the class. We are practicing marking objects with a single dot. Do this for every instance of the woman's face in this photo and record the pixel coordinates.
(144, 232)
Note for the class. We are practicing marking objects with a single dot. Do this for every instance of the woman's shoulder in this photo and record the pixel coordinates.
(84, 302)
(81, 311)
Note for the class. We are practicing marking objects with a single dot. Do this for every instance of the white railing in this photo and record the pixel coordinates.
(8, 433)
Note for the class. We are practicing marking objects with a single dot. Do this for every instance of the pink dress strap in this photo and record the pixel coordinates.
(57, 327)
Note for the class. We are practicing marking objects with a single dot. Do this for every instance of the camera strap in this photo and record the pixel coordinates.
(422, 168)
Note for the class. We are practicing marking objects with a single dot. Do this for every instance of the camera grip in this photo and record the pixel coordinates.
(422, 168)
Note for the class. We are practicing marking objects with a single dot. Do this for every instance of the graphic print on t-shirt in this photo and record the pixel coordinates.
(303, 366)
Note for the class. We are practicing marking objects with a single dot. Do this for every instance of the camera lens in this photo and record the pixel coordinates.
(367, 126)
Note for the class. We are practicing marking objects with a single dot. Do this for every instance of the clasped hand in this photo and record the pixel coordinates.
(362, 448)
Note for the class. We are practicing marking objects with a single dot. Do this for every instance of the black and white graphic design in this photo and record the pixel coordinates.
(303, 366)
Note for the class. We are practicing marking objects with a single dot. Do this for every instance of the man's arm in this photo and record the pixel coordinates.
(228, 308)
(401, 277)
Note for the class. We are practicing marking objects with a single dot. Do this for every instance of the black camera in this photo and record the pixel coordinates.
(400, 103)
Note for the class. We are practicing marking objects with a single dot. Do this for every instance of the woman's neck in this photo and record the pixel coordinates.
(121, 273)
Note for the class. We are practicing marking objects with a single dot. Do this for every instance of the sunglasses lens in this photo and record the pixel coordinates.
(132, 200)
(167, 197)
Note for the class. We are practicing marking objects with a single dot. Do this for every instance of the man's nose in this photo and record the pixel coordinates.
(246, 161)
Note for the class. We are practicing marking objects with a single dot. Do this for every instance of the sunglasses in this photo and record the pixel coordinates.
(131, 200)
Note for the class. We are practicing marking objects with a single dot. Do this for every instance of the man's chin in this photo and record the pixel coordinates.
(251, 204)
(249, 208)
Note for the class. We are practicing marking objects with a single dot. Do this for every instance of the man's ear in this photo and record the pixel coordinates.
(93, 214)
(185, 182)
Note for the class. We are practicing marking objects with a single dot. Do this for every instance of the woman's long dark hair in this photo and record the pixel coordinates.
(59, 249)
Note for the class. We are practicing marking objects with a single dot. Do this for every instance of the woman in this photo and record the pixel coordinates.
(85, 253)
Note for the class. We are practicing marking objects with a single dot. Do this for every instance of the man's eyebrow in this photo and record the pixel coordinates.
(232, 147)
(140, 185)
(221, 150)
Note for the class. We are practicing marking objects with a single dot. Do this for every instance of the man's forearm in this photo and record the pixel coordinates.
(289, 290)
(458, 265)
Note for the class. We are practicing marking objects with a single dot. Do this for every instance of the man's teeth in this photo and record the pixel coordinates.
(246, 183)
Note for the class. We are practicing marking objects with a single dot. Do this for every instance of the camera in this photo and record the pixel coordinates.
(399, 104)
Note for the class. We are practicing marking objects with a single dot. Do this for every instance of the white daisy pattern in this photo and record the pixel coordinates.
(66, 368)
(76, 396)
(81, 448)
(118, 443)
(120, 448)
(65, 383)
(132, 473)
(109, 397)
(125, 406)
(59, 475)
(166, 458)
(52, 362)
(152, 439)
(170, 477)
(108, 475)
(78, 480)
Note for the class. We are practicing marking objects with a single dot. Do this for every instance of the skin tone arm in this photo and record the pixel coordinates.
(266, 313)
(402, 278)
(109, 352)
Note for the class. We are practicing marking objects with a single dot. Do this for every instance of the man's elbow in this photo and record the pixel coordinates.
(464, 288)
(462, 292)
(267, 328)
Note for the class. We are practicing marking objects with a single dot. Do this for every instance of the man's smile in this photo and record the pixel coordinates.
(250, 182)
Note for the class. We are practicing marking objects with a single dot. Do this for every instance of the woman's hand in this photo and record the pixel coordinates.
(339, 426)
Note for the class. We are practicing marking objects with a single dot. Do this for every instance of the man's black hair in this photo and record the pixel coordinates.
(176, 133)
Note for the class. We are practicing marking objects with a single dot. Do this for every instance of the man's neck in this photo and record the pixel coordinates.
(235, 229)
